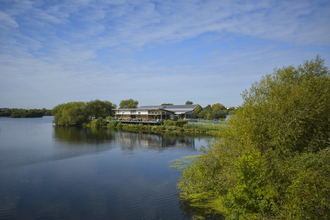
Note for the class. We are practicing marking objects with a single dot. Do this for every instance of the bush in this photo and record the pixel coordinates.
(99, 122)
(161, 128)
(171, 128)
(154, 128)
(119, 125)
(180, 123)
(168, 123)
(273, 159)
(113, 124)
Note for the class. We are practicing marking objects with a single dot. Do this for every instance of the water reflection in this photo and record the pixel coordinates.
(81, 135)
(50, 172)
(130, 141)
(127, 141)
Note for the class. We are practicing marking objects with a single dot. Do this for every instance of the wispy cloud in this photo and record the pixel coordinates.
(153, 51)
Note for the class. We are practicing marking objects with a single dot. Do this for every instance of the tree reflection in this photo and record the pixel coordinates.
(82, 135)
(130, 141)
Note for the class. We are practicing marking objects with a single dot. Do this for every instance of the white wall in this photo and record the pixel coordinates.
(128, 112)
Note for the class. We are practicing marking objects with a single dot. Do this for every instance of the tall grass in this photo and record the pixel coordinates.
(206, 127)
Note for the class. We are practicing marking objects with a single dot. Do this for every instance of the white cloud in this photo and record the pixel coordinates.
(203, 50)
(7, 21)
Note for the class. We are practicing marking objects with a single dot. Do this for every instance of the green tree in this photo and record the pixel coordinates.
(189, 103)
(197, 110)
(128, 103)
(219, 106)
(203, 113)
(208, 107)
(72, 113)
(273, 160)
(167, 104)
(99, 108)
(218, 113)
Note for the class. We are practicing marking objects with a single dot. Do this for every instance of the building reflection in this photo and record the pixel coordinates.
(130, 141)
(127, 141)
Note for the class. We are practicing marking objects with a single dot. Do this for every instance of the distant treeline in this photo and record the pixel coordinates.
(23, 113)
(209, 112)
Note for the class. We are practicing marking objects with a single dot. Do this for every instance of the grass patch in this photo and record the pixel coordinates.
(205, 127)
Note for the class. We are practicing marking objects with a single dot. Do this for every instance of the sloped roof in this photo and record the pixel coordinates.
(177, 109)
(150, 107)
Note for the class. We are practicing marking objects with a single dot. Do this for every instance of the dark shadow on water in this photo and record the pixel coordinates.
(82, 135)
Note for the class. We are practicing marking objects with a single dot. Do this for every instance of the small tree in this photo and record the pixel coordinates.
(189, 103)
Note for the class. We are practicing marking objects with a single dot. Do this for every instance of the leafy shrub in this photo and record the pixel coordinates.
(154, 128)
(171, 128)
(161, 128)
(178, 123)
(119, 125)
(273, 159)
(99, 122)
(113, 124)
(168, 123)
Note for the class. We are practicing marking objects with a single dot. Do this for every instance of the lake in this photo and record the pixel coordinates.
(51, 172)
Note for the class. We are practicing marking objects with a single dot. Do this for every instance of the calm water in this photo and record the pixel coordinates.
(49, 172)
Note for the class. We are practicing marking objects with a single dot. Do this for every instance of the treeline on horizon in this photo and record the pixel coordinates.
(24, 113)
(80, 112)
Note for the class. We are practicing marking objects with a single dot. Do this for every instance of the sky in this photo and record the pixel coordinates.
(155, 52)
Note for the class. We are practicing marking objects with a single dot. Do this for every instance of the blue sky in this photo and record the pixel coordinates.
(54, 52)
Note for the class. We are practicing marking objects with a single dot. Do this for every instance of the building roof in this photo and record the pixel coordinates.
(177, 109)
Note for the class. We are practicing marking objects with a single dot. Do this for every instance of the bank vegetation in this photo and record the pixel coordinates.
(273, 160)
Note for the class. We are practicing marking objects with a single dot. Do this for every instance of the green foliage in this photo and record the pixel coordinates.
(5, 112)
(119, 125)
(113, 124)
(22, 113)
(273, 159)
(178, 123)
(71, 113)
(128, 103)
(216, 111)
(167, 104)
(99, 122)
(218, 106)
(77, 113)
(168, 122)
(154, 128)
(189, 103)
(197, 110)
(171, 128)
(206, 127)
(97, 108)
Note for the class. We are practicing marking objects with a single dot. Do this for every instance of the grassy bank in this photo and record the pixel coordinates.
(169, 126)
